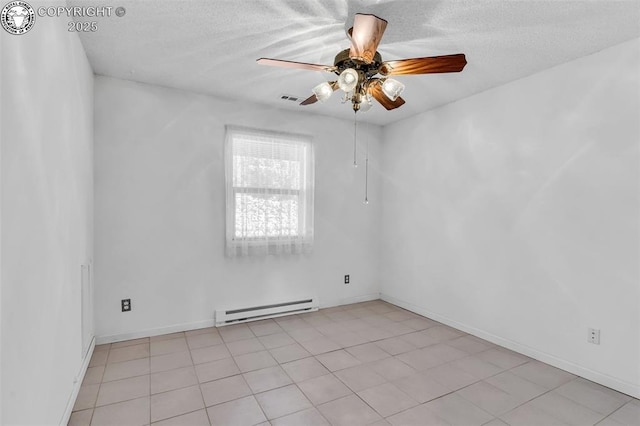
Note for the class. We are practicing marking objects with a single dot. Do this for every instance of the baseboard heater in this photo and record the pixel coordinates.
(255, 313)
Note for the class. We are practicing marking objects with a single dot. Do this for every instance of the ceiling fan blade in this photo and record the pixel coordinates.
(297, 65)
(375, 90)
(365, 37)
(313, 99)
(310, 100)
(430, 65)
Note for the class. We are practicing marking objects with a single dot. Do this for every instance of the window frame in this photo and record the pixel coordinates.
(271, 244)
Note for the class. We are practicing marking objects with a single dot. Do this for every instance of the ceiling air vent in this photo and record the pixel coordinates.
(289, 98)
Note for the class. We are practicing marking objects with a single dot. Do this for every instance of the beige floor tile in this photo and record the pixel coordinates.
(164, 347)
(245, 346)
(290, 324)
(419, 323)
(398, 328)
(400, 315)
(170, 361)
(420, 360)
(417, 416)
(470, 344)
(224, 390)
(304, 369)
(177, 335)
(320, 346)
(338, 360)
(254, 361)
(594, 396)
(128, 353)
(308, 417)
(323, 389)
(131, 342)
(628, 414)
(128, 413)
(356, 324)
(289, 353)
(395, 346)
(543, 374)
(387, 399)
(330, 328)
(496, 422)
(265, 327)
(86, 397)
(442, 333)
(418, 339)
(277, 340)
(99, 358)
(516, 386)
(123, 390)
(444, 352)
(450, 376)
(176, 402)
(503, 359)
(347, 339)
(239, 412)
(367, 352)
(196, 418)
(173, 379)
(210, 353)
(126, 369)
(373, 334)
(491, 399)
(392, 368)
(458, 411)
(348, 411)
(477, 367)
(360, 377)
(93, 375)
(100, 348)
(267, 379)
(566, 410)
(205, 330)
(203, 340)
(421, 388)
(529, 415)
(216, 370)
(302, 335)
(233, 333)
(282, 401)
(81, 418)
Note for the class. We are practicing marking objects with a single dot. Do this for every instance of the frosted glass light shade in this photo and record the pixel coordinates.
(392, 88)
(366, 104)
(348, 79)
(323, 91)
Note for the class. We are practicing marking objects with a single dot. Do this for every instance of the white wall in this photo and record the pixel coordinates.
(514, 215)
(47, 187)
(159, 211)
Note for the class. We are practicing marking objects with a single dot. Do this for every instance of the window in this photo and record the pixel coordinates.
(269, 178)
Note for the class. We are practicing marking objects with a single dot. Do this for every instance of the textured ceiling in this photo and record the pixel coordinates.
(211, 46)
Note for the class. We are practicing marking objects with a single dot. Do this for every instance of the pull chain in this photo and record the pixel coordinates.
(355, 137)
(366, 174)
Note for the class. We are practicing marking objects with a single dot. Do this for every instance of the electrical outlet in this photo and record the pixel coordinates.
(594, 336)
(346, 279)
(126, 305)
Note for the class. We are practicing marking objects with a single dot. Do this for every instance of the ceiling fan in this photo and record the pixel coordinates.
(362, 74)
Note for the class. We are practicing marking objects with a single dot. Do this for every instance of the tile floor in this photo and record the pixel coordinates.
(367, 363)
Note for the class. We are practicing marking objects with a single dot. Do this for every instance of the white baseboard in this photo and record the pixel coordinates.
(595, 376)
(155, 331)
(77, 382)
(349, 300)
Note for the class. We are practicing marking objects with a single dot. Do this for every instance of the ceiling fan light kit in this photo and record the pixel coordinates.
(362, 74)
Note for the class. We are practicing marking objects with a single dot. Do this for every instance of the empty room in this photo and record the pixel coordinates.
(320, 212)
